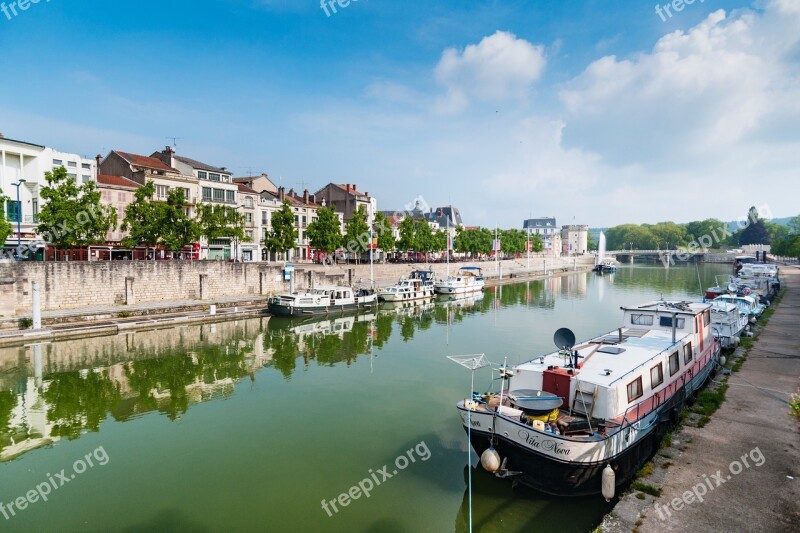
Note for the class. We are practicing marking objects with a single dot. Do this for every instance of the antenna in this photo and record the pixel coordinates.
(174, 141)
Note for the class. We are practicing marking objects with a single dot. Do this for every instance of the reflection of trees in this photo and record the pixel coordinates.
(285, 350)
(77, 402)
(383, 325)
(8, 400)
(407, 328)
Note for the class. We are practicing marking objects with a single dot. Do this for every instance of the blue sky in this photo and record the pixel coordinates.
(598, 112)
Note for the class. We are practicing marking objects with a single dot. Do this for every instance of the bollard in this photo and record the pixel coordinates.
(212, 309)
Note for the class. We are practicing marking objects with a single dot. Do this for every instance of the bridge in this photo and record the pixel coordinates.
(670, 256)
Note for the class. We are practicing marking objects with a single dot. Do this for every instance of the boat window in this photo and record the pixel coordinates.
(666, 322)
(656, 376)
(706, 317)
(641, 320)
(635, 389)
(674, 364)
(306, 301)
(687, 353)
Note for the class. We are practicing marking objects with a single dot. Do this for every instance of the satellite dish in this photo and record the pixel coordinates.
(564, 339)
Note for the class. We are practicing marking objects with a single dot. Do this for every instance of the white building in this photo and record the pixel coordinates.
(20, 160)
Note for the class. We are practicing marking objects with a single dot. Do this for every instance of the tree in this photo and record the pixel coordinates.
(220, 221)
(591, 244)
(6, 228)
(142, 218)
(283, 235)
(423, 237)
(72, 215)
(668, 235)
(709, 229)
(325, 233)
(178, 229)
(756, 232)
(537, 244)
(357, 233)
(383, 230)
(440, 241)
(407, 235)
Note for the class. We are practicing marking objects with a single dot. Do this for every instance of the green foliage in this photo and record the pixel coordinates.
(6, 228)
(646, 488)
(423, 236)
(591, 244)
(756, 232)
(407, 235)
(325, 233)
(220, 221)
(474, 241)
(142, 218)
(357, 232)
(72, 215)
(283, 235)
(383, 230)
(178, 230)
(787, 243)
(440, 241)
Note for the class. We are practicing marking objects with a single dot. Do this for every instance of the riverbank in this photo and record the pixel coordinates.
(738, 470)
(112, 319)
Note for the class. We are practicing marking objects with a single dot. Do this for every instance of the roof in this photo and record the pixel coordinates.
(21, 142)
(116, 181)
(681, 308)
(197, 165)
(546, 222)
(245, 188)
(445, 216)
(144, 161)
(344, 187)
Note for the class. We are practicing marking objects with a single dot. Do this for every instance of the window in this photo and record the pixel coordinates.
(186, 194)
(121, 197)
(35, 207)
(635, 389)
(248, 235)
(297, 220)
(202, 175)
(706, 317)
(674, 364)
(14, 210)
(666, 322)
(86, 179)
(687, 353)
(206, 194)
(248, 202)
(304, 221)
(86, 166)
(219, 195)
(213, 177)
(72, 164)
(264, 233)
(248, 217)
(73, 176)
(58, 162)
(265, 217)
(641, 320)
(656, 376)
(161, 192)
(230, 196)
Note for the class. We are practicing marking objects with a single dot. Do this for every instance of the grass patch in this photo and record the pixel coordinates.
(794, 403)
(709, 400)
(640, 496)
(646, 488)
(705, 419)
(124, 314)
(666, 442)
(25, 323)
(646, 470)
(666, 465)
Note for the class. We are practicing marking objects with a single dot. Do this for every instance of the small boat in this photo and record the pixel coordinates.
(746, 305)
(606, 402)
(604, 264)
(322, 301)
(419, 285)
(727, 323)
(468, 279)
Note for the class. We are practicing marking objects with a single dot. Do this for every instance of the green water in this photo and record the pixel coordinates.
(249, 425)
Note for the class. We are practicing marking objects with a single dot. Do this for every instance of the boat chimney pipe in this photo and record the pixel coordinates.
(674, 326)
(620, 335)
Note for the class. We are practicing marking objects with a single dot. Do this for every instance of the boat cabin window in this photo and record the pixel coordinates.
(641, 320)
(306, 301)
(706, 317)
(635, 389)
(666, 322)
(687, 353)
(674, 364)
(656, 376)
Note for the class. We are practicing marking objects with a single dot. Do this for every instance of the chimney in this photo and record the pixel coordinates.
(367, 194)
(99, 159)
(354, 187)
(291, 192)
(305, 196)
(348, 188)
(281, 193)
(312, 198)
(169, 156)
(2, 136)
(224, 169)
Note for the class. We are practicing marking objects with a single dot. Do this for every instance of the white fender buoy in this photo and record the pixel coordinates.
(609, 483)
(490, 460)
(722, 360)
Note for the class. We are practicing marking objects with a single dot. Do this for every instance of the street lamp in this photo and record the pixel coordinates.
(19, 219)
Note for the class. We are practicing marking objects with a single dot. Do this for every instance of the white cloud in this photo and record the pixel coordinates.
(500, 67)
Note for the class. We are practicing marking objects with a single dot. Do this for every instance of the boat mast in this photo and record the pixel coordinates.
(371, 268)
(448, 246)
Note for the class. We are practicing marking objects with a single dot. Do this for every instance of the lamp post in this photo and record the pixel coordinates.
(19, 219)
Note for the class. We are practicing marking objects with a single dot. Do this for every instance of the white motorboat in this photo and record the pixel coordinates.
(419, 285)
(468, 279)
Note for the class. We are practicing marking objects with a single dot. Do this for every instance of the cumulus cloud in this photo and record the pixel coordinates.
(501, 66)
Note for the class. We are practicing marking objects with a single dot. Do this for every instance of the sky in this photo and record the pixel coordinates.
(595, 112)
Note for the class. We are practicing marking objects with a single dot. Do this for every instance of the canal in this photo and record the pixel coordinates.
(249, 425)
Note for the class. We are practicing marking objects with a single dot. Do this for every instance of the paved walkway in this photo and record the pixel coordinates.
(752, 426)
(161, 305)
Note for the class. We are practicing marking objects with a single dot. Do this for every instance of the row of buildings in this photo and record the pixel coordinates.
(119, 174)
(569, 240)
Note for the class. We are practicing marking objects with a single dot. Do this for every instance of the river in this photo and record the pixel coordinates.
(249, 425)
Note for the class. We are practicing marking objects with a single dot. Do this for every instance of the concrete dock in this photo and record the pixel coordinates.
(745, 464)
